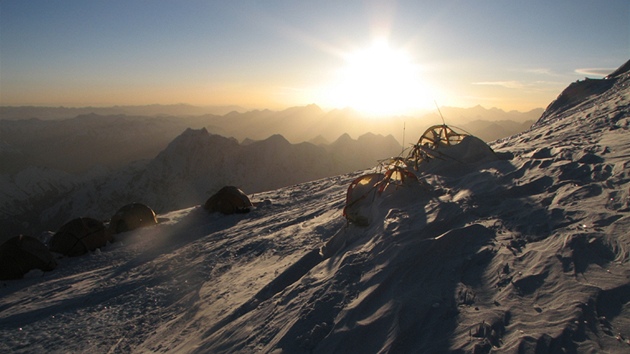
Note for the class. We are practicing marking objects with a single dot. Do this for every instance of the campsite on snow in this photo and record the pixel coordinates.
(519, 245)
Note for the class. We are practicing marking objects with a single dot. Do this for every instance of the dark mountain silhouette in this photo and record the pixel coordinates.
(77, 144)
(56, 113)
(192, 167)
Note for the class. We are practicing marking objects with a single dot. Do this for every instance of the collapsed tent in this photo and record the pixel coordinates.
(363, 191)
(228, 200)
(439, 149)
(440, 146)
(132, 216)
(79, 236)
(21, 254)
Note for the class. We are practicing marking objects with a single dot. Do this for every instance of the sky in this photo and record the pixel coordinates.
(380, 57)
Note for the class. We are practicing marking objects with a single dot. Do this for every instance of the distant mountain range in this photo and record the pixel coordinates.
(55, 113)
(55, 169)
(190, 169)
(81, 142)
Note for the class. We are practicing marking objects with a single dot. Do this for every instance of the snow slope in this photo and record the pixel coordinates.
(525, 255)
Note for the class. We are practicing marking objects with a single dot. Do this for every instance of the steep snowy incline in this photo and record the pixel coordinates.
(165, 281)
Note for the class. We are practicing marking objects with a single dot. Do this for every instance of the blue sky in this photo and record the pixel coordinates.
(275, 54)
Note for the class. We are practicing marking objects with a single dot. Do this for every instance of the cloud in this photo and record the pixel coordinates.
(539, 85)
(541, 71)
(595, 71)
(508, 84)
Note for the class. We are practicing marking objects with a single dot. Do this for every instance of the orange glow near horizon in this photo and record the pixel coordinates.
(380, 58)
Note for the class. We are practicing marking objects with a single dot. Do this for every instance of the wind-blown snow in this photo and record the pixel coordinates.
(522, 255)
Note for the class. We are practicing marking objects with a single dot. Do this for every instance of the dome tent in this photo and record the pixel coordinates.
(395, 179)
(228, 200)
(21, 254)
(440, 147)
(79, 236)
(131, 217)
(361, 191)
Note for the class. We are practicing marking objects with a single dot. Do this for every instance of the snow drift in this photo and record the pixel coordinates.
(527, 255)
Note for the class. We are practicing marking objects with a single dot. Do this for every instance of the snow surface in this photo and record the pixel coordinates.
(522, 255)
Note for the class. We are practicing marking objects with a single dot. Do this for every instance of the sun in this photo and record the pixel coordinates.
(380, 81)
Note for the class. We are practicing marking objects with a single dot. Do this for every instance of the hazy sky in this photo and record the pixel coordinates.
(374, 55)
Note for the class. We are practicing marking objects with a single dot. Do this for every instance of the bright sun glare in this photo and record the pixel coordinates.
(380, 81)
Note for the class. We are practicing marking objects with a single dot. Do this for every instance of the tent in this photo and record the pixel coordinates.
(228, 200)
(79, 236)
(362, 192)
(21, 254)
(131, 217)
(440, 147)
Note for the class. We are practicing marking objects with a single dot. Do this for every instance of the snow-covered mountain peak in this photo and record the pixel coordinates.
(275, 140)
(624, 69)
(192, 139)
(581, 94)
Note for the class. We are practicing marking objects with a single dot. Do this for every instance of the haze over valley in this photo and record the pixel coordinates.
(56, 168)
(52, 137)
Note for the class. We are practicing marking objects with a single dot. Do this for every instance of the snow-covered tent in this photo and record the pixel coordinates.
(438, 150)
(440, 147)
(361, 192)
(364, 190)
(79, 236)
(131, 217)
(228, 200)
(21, 254)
